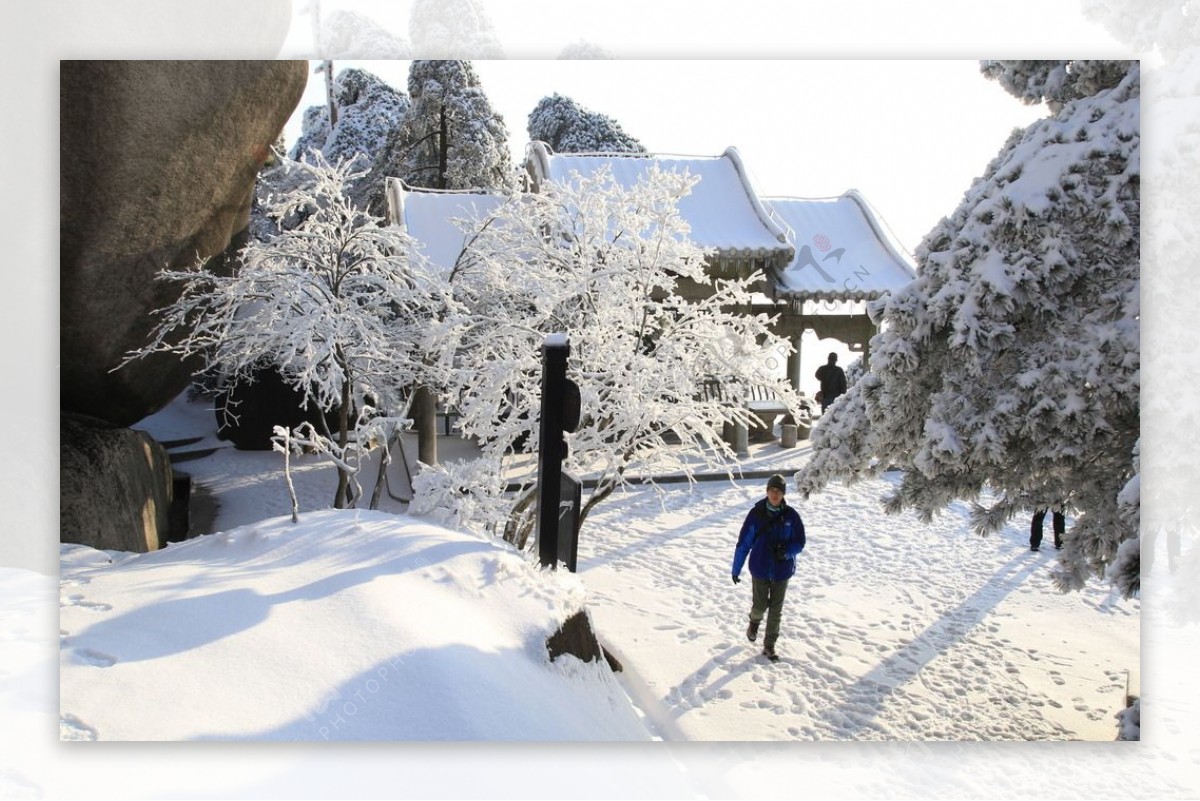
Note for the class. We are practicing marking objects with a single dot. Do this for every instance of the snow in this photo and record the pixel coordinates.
(360, 625)
(430, 217)
(351, 625)
(842, 248)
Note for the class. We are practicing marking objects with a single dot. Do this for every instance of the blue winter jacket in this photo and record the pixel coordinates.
(761, 530)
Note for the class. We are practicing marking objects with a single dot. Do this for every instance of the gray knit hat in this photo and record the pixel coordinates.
(777, 482)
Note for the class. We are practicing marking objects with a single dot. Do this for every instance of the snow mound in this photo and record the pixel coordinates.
(351, 625)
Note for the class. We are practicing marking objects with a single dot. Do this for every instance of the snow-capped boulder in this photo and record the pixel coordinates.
(159, 160)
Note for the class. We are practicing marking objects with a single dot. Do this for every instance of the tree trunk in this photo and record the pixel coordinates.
(341, 499)
(329, 95)
(443, 151)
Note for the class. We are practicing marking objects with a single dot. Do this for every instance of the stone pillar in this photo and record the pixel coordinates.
(787, 435)
(793, 365)
(741, 439)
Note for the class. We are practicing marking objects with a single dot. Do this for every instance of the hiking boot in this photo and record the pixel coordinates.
(769, 653)
(752, 630)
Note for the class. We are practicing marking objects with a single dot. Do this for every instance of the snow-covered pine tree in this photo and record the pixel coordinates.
(600, 262)
(451, 138)
(368, 112)
(1010, 365)
(569, 128)
(334, 305)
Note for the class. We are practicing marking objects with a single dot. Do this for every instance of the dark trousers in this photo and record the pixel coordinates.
(1035, 528)
(768, 600)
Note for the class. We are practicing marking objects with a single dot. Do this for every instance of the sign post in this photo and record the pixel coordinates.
(558, 500)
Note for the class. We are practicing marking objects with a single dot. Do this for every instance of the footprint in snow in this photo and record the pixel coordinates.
(78, 602)
(86, 656)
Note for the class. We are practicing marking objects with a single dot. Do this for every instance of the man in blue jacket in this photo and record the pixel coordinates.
(772, 536)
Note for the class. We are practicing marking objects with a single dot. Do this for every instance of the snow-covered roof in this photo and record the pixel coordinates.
(843, 251)
(723, 209)
(429, 215)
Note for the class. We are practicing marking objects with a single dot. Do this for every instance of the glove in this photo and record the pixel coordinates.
(780, 551)
(737, 579)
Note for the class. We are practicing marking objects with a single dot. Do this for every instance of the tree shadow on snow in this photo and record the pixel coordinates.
(178, 625)
(872, 690)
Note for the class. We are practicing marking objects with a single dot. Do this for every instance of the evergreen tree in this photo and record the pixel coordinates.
(1054, 82)
(569, 128)
(1009, 367)
(368, 109)
(451, 138)
(368, 112)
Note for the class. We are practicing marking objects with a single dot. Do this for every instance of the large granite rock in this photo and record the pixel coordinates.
(117, 486)
(158, 164)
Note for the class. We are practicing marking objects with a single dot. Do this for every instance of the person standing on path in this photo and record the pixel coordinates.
(771, 536)
(833, 382)
(1035, 528)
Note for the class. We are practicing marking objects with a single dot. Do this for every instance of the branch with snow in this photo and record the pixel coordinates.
(1011, 363)
(603, 263)
(339, 306)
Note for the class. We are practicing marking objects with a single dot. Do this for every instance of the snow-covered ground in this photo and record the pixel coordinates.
(360, 625)
(893, 630)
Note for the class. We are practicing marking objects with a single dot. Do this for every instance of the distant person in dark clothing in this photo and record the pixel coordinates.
(772, 536)
(1035, 529)
(833, 382)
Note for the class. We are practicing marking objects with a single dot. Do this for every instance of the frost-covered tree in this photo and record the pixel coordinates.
(569, 128)
(447, 28)
(1054, 82)
(368, 109)
(451, 138)
(1009, 368)
(601, 263)
(333, 305)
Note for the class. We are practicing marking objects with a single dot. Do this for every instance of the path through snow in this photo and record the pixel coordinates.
(892, 630)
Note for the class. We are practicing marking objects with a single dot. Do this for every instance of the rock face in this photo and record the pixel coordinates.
(158, 164)
(576, 637)
(158, 167)
(116, 486)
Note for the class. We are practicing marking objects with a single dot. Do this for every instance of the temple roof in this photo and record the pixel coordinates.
(834, 249)
(723, 209)
(843, 250)
(429, 215)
